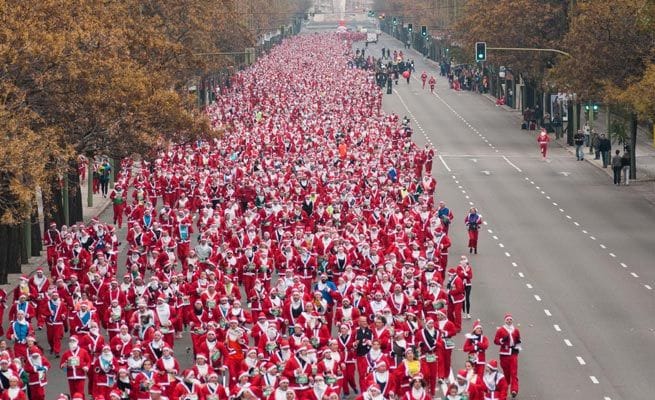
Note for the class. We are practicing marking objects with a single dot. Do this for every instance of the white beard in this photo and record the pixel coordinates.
(163, 312)
(13, 392)
(417, 393)
(381, 377)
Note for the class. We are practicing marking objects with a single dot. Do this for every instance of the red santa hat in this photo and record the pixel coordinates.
(477, 324)
(452, 271)
(284, 379)
(115, 394)
(492, 365)
(188, 374)
(508, 315)
(461, 374)
(77, 396)
(155, 388)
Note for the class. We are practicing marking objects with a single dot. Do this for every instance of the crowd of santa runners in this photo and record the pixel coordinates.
(305, 253)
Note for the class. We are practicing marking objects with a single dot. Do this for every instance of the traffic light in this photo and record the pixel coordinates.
(395, 21)
(424, 31)
(481, 51)
(587, 107)
(410, 27)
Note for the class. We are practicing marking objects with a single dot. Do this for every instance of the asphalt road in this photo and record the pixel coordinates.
(568, 253)
(563, 250)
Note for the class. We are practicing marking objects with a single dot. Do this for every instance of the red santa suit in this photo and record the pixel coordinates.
(105, 370)
(186, 389)
(494, 383)
(431, 344)
(447, 331)
(165, 318)
(118, 198)
(76, 362)
(36, 366)
(508, 338)
(456, 295)
(14, 394)
(214, 391)
(476, 346)
(56, 315)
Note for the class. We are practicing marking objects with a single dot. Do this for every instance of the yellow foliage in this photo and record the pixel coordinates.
(110, 77)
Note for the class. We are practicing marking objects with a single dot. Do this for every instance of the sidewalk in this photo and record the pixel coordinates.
(645, 152)
(100, 204)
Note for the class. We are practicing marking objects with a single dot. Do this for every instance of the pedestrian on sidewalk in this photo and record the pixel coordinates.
(105, 171)
(557, 126)
(543, 140)
(616, 167)
(595, 143)
(579, 140)
(605, 147)
(625, 166)
(586, 130)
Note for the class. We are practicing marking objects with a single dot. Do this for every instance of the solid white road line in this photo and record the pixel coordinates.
(521, 275)
(633, 274)
(529, 286)
(648, 287)
(581, 360)
(512, 164)
(568, 343)
(594, 380)
(536, 297)
(557, 328)
(444, 164)
(547, 312)
(624, 265)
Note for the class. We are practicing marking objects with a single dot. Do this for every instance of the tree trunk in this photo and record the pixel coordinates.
(24, 256)
(633, 146)
(10, 249)
(4, 248)
(75, 211)
(37, 244)
(15, 238)
(52, 205)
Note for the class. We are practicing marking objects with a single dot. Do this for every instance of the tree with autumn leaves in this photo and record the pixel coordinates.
(95, 77)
